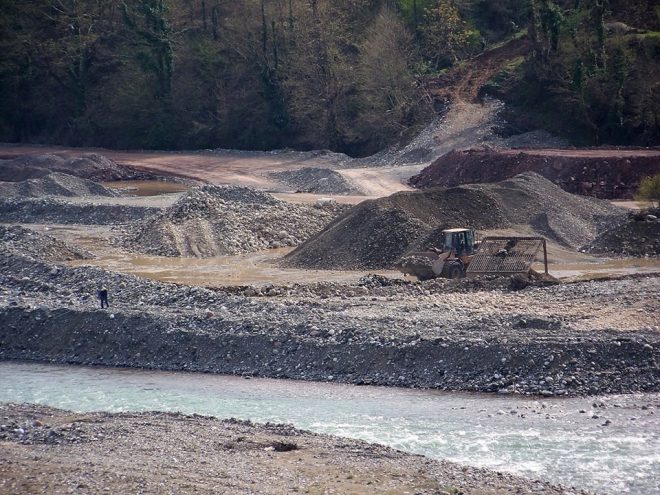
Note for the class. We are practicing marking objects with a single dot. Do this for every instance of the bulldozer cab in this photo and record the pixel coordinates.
(460, 241)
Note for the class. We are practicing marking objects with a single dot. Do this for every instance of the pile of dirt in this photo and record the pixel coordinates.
(375, 234)
(608, 174)
(54, 184)
(90, 166)
(26, 242)
(225, 220)
(315, 180)
(638, 235)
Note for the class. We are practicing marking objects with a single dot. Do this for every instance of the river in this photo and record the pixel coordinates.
(609, 444)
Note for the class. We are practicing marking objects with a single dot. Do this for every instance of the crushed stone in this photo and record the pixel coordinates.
(315, 180)
(375, 234)
(54, 184)
(226, 220)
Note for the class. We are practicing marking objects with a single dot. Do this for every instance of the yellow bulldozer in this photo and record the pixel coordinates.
(462, 255)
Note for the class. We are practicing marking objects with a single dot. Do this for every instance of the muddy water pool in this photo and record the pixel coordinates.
(606, 444)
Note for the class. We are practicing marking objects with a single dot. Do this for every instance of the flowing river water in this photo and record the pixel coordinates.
(608, 444)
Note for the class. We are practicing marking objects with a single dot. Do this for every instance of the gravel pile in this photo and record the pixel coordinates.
(637, 235)
(570, 219)
(54, 184)
(90, 166)
(315, 180)
(477, 335)
(375, 234)
(19, 240)
(59, 211)
(225, 220)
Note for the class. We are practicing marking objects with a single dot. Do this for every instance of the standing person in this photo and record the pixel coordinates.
(103, 296)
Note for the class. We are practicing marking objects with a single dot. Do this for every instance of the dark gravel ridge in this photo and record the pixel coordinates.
(56, 211)
(551, 340)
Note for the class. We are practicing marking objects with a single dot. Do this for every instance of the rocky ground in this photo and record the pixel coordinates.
(638, 235)
(478, 335)
(48, 450)
(54, 184)
(91, 166)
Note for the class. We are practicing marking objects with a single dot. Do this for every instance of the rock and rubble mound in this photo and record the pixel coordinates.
(601, 173)
(375, 234)
(90, 166)
(315, 180)
(226, 220)
(637, 235)
(25, 242)
(54, 184)
(60, 211)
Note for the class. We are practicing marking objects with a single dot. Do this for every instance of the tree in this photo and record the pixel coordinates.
(389, 99)
(445, 33)
(649, 189)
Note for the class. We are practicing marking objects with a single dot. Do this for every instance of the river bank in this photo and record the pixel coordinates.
(49, 450)
(584, 338)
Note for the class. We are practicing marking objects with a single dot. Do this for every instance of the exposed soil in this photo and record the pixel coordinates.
(375, 234)
(612, 174)
(49, 450)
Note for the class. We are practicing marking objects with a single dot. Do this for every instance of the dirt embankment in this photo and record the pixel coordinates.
(49, 450)
(611, 174)
(375, 234)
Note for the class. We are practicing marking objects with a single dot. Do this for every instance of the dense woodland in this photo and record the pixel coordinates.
(347, 75)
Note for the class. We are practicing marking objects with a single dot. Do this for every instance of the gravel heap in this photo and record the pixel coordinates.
(534, 139)
(638, 234)
(315, 180)
(19, 240)
(59, 211)
(54, 184)
(225, 220)
(375, 234)
(90, 166)
(603, 175)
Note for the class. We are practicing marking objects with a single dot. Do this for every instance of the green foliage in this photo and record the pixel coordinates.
(445, 34)
(649, 189)
(585, 80)
(255, 74)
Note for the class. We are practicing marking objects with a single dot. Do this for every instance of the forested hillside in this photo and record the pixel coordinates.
(348, 75)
